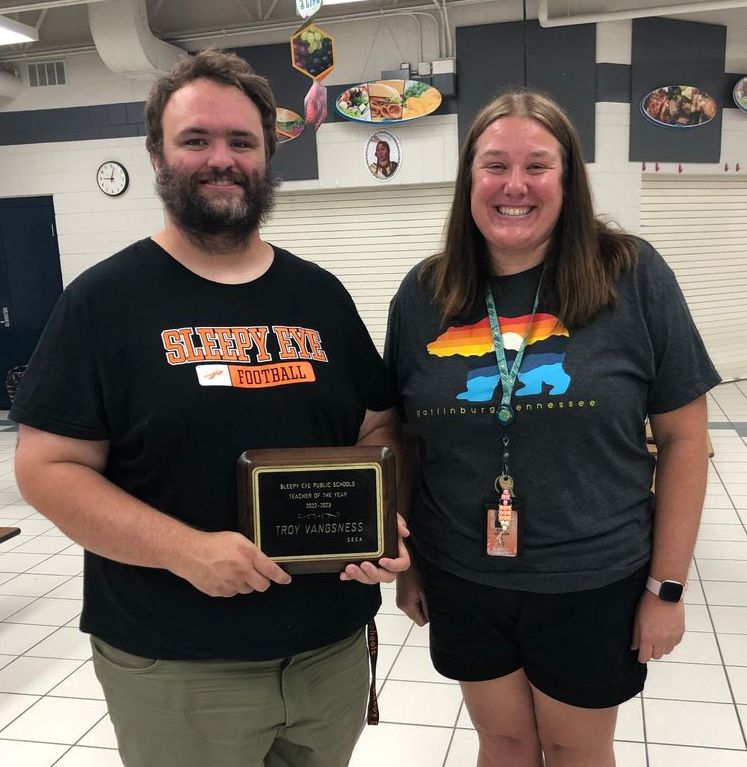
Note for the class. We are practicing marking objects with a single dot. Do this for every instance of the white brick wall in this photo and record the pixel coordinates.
(614, 42)
(88, 82)
(90, 225)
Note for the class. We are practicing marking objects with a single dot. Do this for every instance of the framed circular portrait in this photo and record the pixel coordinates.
(740, 94)
(383, 155)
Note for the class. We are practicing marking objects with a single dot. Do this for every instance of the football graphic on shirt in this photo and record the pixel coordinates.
(541, 367)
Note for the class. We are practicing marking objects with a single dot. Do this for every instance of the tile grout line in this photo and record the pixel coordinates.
(718, 405)
(21, 655)
(703, 589)
(27, 572)
(690, 745)
(92, 727)
(399, 652)
(62, 756)
(723, 663)
(453, 734)
(645, 732)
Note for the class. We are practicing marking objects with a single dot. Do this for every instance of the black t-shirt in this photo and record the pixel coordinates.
(182, 375)
(577, 443)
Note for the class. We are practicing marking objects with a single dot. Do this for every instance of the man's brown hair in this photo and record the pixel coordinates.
(209, 64)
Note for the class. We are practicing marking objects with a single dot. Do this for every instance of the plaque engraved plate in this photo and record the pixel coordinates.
(318, 509)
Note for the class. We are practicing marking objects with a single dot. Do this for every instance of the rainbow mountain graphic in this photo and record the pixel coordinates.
(541, 367)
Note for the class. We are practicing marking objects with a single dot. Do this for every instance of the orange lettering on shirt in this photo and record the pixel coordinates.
(264, 376)
(299, 336)
(173, 343)
(247, 338)
(210, 345)
(284, 336)
(314, 343)
(243, 343)
(258, 334)
(226, 342)
(194, 353)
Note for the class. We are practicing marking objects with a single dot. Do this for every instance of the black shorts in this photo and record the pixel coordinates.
(574, 647)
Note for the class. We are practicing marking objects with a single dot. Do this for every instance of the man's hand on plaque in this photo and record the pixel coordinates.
(386, 570)
(226, 563)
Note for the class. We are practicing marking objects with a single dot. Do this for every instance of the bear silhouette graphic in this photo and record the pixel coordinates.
(541, 367)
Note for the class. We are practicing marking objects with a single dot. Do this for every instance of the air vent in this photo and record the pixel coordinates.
(46, 73)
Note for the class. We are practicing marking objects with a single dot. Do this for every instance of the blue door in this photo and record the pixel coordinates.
(30, 278)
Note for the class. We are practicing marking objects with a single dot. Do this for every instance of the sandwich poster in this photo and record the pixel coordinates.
(288, 125)
(388, 101)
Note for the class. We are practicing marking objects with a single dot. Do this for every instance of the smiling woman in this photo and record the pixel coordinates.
(527, 355)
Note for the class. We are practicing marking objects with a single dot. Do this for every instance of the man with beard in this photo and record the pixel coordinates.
(158, 368)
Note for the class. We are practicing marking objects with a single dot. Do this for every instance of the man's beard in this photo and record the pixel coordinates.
(221, 223)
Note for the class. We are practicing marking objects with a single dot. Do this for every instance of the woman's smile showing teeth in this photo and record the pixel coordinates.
(506, 211)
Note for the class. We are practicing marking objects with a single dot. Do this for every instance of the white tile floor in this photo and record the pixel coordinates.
(693, 711)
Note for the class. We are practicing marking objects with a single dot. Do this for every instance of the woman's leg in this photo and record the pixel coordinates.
(573, 736)
(502, 711)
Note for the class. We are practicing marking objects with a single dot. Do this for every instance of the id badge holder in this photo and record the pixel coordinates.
(502, 527)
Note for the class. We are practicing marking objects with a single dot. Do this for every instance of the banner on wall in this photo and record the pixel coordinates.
(313, 52)
(315, 105)
(678, 106)
(388, 101)
(288, 125)
(383, 155)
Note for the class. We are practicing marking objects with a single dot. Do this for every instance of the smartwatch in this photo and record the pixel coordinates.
(667, 591)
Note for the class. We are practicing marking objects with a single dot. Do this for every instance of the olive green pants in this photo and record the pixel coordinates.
(303, 711)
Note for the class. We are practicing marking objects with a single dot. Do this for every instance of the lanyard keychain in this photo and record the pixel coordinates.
(503, 520)
(503, 517)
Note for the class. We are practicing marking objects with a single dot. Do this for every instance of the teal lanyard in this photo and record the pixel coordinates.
(505, 412)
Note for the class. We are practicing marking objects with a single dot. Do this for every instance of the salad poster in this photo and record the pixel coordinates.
(388, 101)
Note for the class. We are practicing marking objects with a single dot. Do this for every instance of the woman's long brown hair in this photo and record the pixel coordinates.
(586, 256)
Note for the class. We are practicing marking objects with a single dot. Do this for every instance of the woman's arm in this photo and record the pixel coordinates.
(681, 474)
(410, 591)
(382, 428)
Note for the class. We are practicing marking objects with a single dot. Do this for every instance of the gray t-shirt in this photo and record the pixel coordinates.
(577, 443)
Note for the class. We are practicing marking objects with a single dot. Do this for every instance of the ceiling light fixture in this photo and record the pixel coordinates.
(12, 31)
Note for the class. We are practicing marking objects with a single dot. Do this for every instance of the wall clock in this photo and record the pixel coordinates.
(112, 178)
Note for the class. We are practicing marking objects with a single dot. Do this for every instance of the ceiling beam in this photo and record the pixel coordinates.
(44, 5)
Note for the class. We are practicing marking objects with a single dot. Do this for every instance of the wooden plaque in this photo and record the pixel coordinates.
(315, 510)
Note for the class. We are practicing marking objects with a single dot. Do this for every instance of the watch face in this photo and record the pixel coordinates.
(112, 178)
(670, 591)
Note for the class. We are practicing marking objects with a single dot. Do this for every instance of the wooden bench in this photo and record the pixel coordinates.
(652, 445)
(8, 532)
(653, 450)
